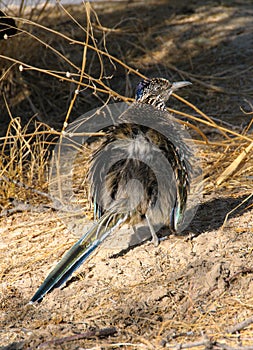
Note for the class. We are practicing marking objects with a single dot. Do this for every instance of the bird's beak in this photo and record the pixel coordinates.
(179, 84)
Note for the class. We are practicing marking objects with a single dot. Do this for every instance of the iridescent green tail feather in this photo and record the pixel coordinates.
(79, 252)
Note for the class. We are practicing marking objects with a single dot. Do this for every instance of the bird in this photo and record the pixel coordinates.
(7, 26)
(140, 172)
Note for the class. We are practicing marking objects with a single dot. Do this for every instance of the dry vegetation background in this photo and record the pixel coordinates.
(193, 291)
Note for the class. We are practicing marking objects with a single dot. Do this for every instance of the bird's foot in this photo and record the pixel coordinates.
(155, 240)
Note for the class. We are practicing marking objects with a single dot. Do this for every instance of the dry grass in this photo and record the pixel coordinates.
(80, 65)
(38, 47)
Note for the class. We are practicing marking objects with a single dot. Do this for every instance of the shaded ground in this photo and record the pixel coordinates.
(190, 288)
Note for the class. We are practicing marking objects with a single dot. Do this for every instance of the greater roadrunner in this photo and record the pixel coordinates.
(136, 174)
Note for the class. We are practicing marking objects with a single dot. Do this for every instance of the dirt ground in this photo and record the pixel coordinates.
(192, 289)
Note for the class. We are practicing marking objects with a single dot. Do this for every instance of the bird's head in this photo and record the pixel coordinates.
(157, 91)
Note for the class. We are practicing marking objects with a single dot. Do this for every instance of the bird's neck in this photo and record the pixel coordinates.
(154, 101)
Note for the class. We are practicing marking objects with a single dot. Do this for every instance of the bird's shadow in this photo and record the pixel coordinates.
(210, 216)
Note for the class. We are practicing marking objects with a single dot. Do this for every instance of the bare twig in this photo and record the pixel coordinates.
(241, 325)
(223, 346)
(207, 343)
(22, 185)
(20, 206)
(98, 333)
(238, 206)
(234, 165)
(241, 271)
(214, 345)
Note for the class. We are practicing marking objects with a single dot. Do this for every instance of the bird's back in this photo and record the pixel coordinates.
(142, 162)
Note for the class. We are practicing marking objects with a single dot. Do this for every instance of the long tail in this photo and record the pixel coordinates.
(79, 252)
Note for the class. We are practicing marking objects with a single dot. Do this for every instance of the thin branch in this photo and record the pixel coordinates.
(227, 347)
(241, 325)
(234, 165)
(238, 206)
(22, 185)
(207, 343)
(214, 345)
(98, 333)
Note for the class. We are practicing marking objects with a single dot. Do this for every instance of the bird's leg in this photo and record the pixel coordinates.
(136, 234)
(155, 239)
